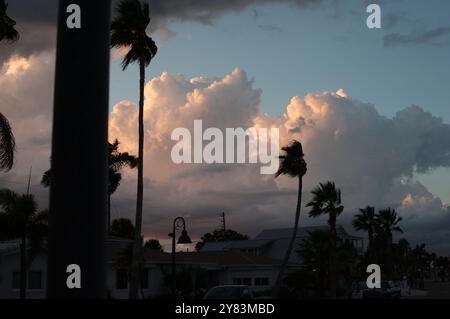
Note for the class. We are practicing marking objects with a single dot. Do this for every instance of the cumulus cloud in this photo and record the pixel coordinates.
(26, 100)
(371, 157)
(368, 155)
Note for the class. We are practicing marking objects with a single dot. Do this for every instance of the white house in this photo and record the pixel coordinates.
(274, 242)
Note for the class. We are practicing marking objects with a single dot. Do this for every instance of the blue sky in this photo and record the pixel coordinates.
(288, 51)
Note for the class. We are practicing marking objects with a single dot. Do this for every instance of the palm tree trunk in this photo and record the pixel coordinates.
(23, 266)
(370, 248)
(277, 288)
(389, 255)
(134, 280)
(333, 272)
(109, 213)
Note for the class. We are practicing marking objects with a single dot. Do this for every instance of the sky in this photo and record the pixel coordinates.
(371, 107)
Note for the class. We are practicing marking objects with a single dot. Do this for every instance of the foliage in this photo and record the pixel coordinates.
(219, 235)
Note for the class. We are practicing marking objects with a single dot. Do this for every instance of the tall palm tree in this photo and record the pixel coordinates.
(387, 222)
(116, 162)
(7, 31)
(22, 216)
(365, 221)
(293, 165)
(7, 144)
(327, 201)
(128, 30)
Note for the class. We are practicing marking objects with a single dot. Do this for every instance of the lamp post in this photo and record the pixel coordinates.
(178, 223)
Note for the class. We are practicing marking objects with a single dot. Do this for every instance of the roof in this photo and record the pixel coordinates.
(236, 244)
(279, 233)
(113, 245)
(212, 258)
(9, 246)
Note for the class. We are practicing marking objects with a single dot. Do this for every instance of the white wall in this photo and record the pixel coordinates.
(11, 263)
(226, 276)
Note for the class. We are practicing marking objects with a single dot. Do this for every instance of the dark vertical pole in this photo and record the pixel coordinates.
(174, 282)
(223, 222)
(78, 192)
(23, 251)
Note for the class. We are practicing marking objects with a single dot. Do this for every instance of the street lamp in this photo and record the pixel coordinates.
(178, 223)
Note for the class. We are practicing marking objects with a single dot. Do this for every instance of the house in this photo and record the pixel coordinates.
(10, 272)
(37, 272)
(273, 243)
(221, 268)
(253, 262)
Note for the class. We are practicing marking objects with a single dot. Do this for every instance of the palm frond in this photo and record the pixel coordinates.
(7, 31)
(326, 199)
(7, 144)
(292, 162)
(128, 29)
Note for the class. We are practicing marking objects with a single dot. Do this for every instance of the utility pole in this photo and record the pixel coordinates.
(23, 251)
(78, 188)
(224, 228)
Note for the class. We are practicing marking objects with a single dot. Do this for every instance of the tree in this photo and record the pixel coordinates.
(220, 235)
(366, 221)
(7, 144)
(21, 216)
(7, 31)
(327, 201)
(123, 228)
(314, 251)
(153, 244)
(293, 165)
(387, 222)
(116, 162)
(128, 30)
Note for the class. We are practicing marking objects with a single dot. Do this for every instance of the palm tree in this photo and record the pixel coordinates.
(366, 221)
(20, 211)
(7, 31)
(293, 165)
(7, 144)
(128, 30)
(327, 201)
(387, 222)
(116, 162)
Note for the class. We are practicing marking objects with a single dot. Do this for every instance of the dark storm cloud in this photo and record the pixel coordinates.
(36, 19)
(436, 36)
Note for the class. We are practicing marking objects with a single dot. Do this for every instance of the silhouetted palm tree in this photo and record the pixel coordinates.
(128, 30)
(366, 221)
(293, 165)
(327, 201)
(26, 222)
(7, 144)
(387, 222)
(7, 31)
(116, 161)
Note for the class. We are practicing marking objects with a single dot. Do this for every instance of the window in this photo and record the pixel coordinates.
(144, 278)
(16, 280)
(263, 281)
(121, 279)
(35, 279)
(242, 281)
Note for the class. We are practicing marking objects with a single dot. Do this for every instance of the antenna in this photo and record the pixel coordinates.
(224, 228)
(29, 181)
